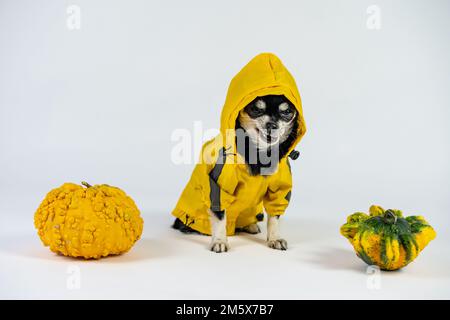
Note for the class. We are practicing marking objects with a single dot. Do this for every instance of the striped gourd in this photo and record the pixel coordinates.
(386, 238)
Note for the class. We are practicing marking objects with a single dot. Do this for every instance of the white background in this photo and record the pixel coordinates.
(100, 104)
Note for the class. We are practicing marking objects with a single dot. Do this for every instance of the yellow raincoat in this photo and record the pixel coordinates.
(221, 180)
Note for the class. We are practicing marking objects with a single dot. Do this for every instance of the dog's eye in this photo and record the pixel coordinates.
(254, 112)
(257, 109)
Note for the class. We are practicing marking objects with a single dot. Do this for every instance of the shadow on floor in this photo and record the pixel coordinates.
(337, 259)
(297, 232)
(31, 247)
(144, 249)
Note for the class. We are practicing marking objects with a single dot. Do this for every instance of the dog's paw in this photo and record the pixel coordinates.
(279, 244)
(219, 246)
(252, 229)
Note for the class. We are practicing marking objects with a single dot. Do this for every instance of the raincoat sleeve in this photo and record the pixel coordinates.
(278, 192)
(217, 181)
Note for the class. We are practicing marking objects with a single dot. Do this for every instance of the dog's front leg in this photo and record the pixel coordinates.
(219, 241)
(273, 234)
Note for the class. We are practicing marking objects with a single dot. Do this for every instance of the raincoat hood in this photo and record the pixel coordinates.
(264, 75)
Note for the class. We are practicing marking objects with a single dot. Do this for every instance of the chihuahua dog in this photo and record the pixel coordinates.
(268, 124)
(247, 171)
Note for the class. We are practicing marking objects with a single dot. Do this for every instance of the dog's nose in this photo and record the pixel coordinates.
(271, 126)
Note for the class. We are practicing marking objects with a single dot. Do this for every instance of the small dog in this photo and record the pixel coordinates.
(226, 196)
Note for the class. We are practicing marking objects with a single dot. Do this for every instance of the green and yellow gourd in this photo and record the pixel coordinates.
(385, 238)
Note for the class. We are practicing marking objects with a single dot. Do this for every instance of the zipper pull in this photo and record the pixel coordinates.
(294, 154)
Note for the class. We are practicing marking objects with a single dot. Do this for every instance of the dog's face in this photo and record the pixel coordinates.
(268, 120)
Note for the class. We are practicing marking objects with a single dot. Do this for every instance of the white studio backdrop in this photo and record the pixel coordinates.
(99, 101)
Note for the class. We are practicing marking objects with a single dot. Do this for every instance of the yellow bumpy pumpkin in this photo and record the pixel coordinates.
(91, 222)
(386, 239)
